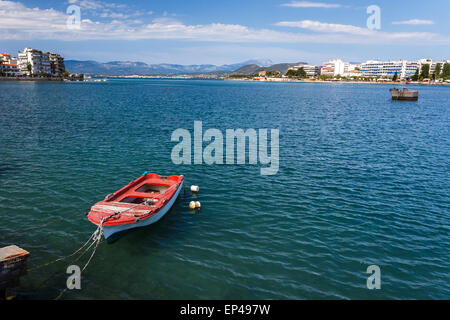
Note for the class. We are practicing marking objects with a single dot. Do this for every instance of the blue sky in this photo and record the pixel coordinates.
(222, 32)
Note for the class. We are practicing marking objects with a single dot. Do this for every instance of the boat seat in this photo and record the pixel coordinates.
(143, 194)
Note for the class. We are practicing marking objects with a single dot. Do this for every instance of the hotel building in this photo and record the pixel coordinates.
(403, 68)
(337, 67)
(39, 61)
(311, 70)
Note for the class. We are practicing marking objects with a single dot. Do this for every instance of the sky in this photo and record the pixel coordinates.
(228, 31)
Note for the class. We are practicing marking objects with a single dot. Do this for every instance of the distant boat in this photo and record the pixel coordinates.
(405, 94)
(140, 203)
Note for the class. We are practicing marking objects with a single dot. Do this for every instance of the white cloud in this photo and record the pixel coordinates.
(325, 27)
(362, 35)
(22, 23)
(415, 22)
(114, 15)
(96, 5)
(308, 4)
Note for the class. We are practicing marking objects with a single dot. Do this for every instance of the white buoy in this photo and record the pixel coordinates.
(198, 205)
(192, 205)
(194, 188)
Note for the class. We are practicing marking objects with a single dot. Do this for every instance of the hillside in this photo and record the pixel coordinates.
(118, 68)
(248, 69)
(253, 68)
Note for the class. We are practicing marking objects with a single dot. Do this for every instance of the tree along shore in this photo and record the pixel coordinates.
(39, 79)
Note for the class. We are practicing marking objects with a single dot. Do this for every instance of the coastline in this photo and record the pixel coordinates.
(278, 80)
(185, 77)
(37, 79)
(341, 82)
(29, 79)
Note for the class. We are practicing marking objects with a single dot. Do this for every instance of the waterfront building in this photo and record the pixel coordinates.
(262, 73)
(39, 62)
(5, 57)
(433, 64)
(311, 70)
(410, 69)
(384, 69)
(57, 66)
(387, 69)
(353, 73)
(335, 67)
(327, 71)
(403, 68)
(9, 66)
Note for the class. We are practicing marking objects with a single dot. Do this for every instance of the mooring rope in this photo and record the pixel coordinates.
(77, 258)
(56, 219)
(68, 256)
(29, 229)
(97, 238)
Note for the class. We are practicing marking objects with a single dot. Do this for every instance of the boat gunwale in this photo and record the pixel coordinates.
(130, 219)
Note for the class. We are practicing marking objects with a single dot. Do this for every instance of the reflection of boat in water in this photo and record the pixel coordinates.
(405, 94)
(141, 203)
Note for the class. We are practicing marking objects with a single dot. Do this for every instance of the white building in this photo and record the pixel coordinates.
(433, 64)
(403, 68)
(387, 69)
(353, 73)
(335, 67)
(39, 62)
(311, 70)
(9, 66)
(384, 69)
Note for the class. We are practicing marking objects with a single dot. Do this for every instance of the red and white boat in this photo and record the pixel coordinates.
(140, 203)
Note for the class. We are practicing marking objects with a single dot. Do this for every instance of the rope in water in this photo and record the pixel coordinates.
(97, 238)
(97, 235)
(68, 256)
(57, 219)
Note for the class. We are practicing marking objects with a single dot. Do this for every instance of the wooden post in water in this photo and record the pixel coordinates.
(13, 265)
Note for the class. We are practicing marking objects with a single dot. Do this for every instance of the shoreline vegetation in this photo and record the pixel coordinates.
(43, 79)
(243, 78)
(339, 81)
(237, 79)
(423, 77)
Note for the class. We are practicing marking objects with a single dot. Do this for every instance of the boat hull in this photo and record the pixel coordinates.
(112, 232)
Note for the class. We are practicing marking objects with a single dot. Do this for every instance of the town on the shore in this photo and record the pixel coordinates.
(424, 71)
(33, 64)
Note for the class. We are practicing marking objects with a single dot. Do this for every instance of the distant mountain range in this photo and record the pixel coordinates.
(118, 68)
(254, 68)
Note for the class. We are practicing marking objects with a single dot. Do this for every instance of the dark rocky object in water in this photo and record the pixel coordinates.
(409, 95)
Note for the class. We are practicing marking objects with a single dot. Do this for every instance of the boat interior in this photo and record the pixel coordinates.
(144, 192)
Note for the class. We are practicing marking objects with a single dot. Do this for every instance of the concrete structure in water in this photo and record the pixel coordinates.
(408, 95)
(12, 266)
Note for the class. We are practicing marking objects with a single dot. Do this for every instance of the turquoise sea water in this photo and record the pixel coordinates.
(363, 180)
